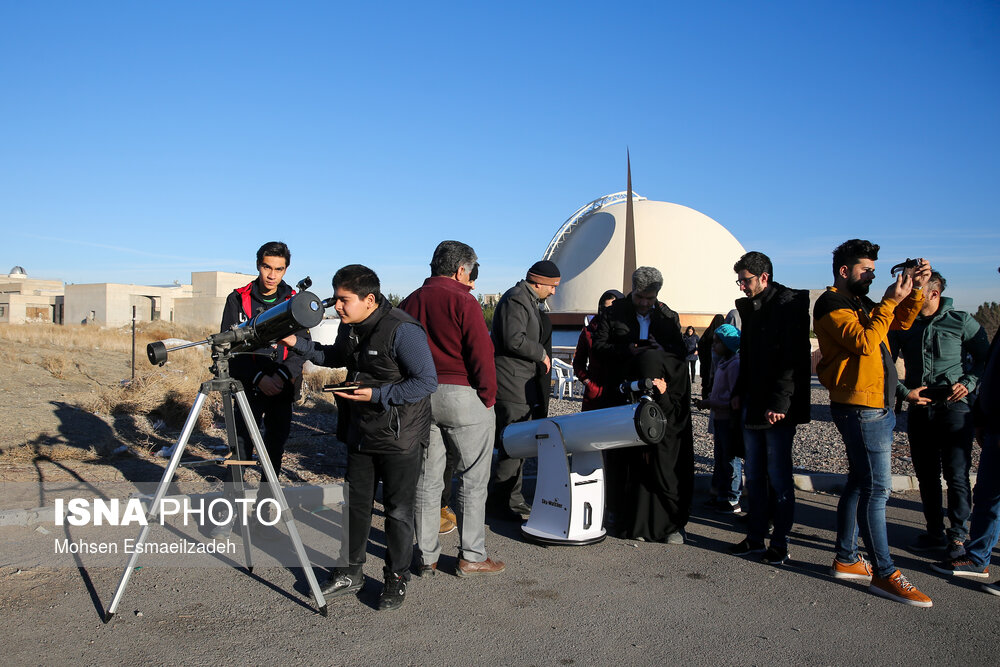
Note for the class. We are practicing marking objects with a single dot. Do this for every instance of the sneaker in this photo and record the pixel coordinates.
(956, 549)
(447, 526)
(927, 542)
(775, 555)
(676, 537)
(859, 570)
(992, 589)
(723, 506)
(961, 567)
(393, 592)
(488, 566)
(343, 581)
(448, 513)
(896, 587)
(747, 547)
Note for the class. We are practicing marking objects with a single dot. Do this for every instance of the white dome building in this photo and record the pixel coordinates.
(694, 252)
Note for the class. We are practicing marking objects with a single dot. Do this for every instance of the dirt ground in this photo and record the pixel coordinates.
(51, 433)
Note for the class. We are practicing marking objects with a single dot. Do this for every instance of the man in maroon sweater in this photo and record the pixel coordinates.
(462, 416)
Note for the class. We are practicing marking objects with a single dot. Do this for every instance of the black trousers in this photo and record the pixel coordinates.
(399, 474)
(273, 415)
(508, 475)
(941, 441)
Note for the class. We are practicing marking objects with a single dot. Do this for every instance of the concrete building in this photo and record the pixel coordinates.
(209, 290)
(24, 299)
(598, 247)
(110, 304)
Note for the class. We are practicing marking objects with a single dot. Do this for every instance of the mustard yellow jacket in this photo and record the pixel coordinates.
(852, 333)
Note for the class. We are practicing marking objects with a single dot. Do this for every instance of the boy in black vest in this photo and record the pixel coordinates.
(385, 422)
(271, 377)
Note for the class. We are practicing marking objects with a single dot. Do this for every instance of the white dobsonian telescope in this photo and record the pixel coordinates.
(569, 493)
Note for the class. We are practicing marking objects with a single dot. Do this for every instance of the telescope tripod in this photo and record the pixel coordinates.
(228, 388)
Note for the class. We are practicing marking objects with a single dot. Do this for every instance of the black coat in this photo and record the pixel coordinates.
(617, 332)
(775, 356)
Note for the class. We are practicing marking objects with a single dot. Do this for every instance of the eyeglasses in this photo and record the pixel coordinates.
(740, 282)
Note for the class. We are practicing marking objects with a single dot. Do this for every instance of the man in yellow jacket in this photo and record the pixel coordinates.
(858, 369)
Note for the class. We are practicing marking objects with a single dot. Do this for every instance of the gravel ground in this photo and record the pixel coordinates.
(818, 445)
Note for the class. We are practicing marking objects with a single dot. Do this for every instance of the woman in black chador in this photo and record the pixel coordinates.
(662, 475)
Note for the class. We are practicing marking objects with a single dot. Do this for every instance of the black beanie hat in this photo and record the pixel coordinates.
(545, 269)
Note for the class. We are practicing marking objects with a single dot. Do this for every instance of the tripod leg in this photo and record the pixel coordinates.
(236, 472)
(279, 494)
(154, 506)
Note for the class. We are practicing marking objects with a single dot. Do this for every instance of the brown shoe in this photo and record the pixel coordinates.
(488, 566)
(859, 570)
(447, 513)
(896, 587)
(447, 525)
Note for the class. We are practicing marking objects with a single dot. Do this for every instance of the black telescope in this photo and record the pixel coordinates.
(303, 311)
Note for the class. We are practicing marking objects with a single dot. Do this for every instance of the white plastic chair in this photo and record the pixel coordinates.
(564, 378)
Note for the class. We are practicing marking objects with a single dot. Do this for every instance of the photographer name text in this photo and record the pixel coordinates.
(129, 546)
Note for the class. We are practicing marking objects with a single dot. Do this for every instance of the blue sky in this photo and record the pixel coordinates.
(143, 141)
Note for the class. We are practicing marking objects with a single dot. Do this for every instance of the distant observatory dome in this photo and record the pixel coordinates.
(694, 252)
(17, 272)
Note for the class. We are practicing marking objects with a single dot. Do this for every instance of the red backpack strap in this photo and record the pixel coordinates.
(244, 293)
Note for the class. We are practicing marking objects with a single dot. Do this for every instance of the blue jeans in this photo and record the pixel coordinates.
(727, 474)
(941, 440)
(770, 487)
(985, 528)
(867, 434)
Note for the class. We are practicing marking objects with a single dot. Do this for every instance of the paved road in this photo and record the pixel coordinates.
(618, 602)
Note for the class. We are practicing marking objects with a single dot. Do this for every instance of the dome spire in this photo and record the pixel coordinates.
(629, 231)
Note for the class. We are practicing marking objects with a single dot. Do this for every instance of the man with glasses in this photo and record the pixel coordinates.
(522, 340)
(772, 391)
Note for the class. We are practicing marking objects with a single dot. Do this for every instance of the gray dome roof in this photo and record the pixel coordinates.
(18, 271)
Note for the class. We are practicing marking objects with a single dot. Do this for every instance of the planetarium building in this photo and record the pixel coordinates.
(600, 246)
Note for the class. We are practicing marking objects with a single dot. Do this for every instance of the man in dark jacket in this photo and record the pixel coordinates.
(462, 416)
(385, 422)
(270, 376)
(521, 331)
(630, 327)
(773, 392)
(939, 424)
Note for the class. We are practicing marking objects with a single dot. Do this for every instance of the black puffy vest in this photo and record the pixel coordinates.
(368, 426)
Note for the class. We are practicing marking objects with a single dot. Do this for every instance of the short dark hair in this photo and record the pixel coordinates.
(939, 279)
(359, 280)
(851, 252)
(274, 249)
(449, 256)
(756, 263)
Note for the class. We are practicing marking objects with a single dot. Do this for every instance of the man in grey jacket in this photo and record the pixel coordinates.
(521, 332)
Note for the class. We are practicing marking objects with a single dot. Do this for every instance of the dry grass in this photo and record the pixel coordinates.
(166, 392)
(313, 395)
(57, 364)
(89, 337)
(57, 452)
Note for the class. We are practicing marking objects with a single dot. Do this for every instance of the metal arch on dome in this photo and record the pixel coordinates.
(584, 212)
